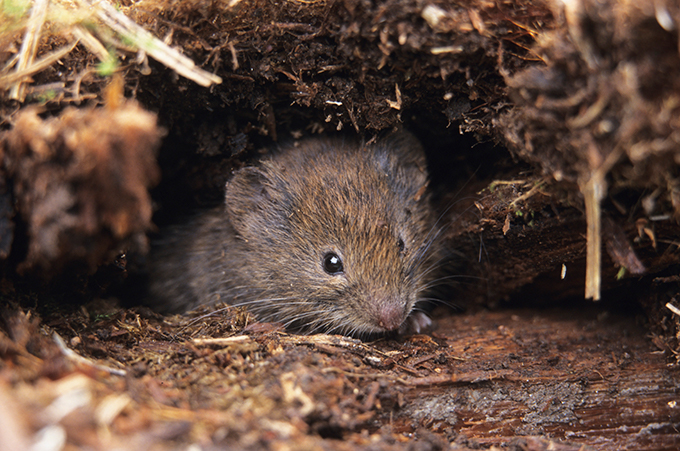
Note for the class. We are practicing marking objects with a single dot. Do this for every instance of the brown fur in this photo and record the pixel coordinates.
(265, 248)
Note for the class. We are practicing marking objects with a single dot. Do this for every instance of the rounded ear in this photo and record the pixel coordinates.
(404, 158)
(246, 192)
(407, 148)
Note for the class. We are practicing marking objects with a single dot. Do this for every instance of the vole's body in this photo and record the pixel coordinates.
(323, 236)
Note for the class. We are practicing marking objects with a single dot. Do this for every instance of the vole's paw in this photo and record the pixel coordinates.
(416, 323)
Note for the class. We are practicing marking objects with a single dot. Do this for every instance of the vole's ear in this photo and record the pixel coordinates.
(246, 193)
(407, 148)
(404, 158)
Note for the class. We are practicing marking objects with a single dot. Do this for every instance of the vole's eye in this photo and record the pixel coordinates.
(401, 245)
(332, 264)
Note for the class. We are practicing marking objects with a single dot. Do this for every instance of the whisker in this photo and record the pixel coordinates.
(429, 269)
(456, 277)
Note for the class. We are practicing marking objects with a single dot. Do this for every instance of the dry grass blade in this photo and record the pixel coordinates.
(29, 44)
(42, 63)
(141, 38)
(92, 43)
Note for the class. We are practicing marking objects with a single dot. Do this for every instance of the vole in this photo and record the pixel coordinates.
(325, 235)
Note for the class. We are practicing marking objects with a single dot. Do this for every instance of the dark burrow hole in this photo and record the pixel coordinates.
(198, 156)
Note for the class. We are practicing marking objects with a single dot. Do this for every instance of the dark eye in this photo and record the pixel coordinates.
(332, 264)
(401, 245)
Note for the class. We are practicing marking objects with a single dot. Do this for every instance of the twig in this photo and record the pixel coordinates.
(472, 377)
(447, 49)
(673, 308)
(75, 88)
(337, 370)
(325, 339)
(536, 188)
(223, 341)
(72, 355)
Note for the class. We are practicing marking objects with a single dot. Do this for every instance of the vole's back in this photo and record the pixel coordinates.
(325, 235)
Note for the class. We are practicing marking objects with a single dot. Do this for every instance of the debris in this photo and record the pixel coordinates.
(81, 182)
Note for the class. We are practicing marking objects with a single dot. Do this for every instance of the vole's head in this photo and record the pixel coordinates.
(338, 234)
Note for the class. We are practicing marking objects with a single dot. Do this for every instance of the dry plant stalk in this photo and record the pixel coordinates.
(30, 44)
(111, 18)
(154, 47)
(42, 63)
(80, 360)
(594, 190)
(593, 193)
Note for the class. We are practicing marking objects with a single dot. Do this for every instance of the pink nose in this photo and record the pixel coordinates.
(390, 315)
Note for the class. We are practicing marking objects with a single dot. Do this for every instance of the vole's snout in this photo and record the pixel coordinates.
(390, 315)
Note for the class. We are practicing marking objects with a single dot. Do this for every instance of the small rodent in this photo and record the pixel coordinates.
(326, 235)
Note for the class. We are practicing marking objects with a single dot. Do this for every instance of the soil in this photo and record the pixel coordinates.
(547, 125)
(517, 379)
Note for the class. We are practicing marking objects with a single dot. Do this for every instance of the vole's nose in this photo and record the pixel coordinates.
(390, 315)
